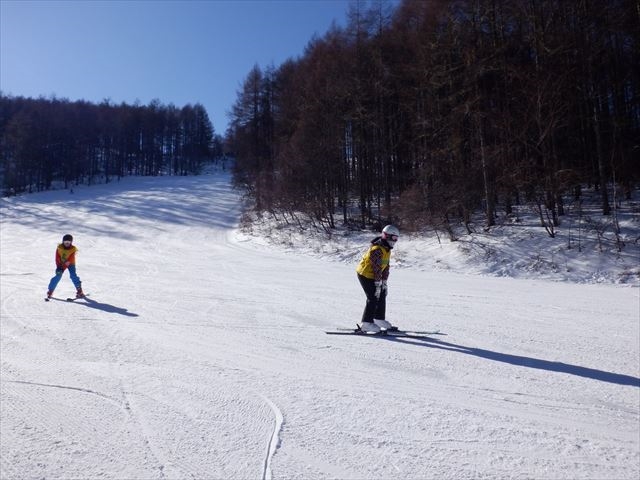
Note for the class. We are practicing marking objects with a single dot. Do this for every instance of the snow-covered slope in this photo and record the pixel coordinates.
(201, 353)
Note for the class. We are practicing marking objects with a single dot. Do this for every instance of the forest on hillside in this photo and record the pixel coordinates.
(49, 140)
(434, 110)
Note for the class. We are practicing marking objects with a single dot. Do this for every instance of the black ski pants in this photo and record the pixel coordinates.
(375, 307)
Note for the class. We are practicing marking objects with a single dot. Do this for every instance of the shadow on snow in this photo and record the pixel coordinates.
(105, 307)
(521, 361)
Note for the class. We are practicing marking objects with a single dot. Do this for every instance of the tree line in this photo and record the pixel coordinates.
(44, 141)
(428, 112)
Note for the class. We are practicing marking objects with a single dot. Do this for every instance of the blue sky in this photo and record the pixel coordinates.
(176, 51)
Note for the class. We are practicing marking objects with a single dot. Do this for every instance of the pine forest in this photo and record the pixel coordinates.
(436, 110)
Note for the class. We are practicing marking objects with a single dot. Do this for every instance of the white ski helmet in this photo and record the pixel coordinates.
(390, 234)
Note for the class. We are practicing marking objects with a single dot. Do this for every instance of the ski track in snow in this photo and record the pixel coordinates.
(274, 440)
(197, 343)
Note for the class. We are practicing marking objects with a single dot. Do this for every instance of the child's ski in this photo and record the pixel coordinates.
(68, 299)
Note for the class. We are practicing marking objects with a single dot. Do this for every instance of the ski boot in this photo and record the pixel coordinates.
(384, 325)
(369, 327)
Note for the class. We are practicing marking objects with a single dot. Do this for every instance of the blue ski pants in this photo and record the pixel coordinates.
(72, 273)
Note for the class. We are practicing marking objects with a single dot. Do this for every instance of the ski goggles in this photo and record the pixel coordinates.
(393, 238)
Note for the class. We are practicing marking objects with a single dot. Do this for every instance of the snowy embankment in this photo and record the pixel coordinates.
(201, 353)
(584, 249)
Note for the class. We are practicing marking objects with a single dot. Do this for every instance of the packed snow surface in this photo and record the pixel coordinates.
(201, 353)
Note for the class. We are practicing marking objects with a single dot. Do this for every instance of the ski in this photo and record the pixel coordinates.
(387, 335)
(392, 331)
(68, 299)
(384, 333)
(73, 299)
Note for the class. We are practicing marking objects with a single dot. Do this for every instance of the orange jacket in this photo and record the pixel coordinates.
(65, 256)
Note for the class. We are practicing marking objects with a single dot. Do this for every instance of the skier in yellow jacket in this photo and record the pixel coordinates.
(66, 260)
(373, 272)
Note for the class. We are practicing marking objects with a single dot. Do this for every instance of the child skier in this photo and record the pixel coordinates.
(66, 259)
(373, 272)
